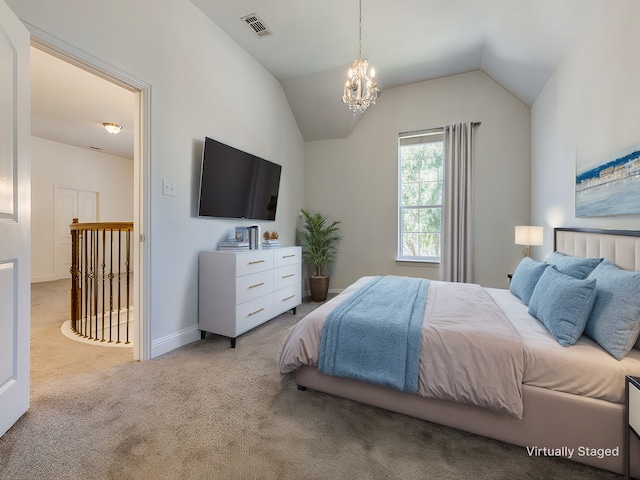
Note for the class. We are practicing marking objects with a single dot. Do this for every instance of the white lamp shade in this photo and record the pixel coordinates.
(529, 235)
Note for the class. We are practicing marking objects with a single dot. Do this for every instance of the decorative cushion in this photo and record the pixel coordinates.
(577, 267)
(525, 277)
(563, 304)
(615, 319)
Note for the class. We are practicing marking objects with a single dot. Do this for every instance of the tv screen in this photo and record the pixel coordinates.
(237, 184)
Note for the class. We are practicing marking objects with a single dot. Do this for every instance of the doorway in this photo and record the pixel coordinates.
(141, 165)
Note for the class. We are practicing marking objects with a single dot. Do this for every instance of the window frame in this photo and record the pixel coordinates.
(437, 136)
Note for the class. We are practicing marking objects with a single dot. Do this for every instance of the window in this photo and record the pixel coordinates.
(421, 177)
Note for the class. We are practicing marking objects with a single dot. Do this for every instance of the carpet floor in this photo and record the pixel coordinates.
(206, 411)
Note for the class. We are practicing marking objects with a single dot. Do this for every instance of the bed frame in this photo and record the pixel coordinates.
(551, 419)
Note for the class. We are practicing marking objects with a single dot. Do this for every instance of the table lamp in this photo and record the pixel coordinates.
(528, 235)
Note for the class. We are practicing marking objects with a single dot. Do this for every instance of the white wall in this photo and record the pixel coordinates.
(54, 163)
(354, 180)
(202, 84)
(587, 111)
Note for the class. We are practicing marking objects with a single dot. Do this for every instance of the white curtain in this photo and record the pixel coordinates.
(456, 263)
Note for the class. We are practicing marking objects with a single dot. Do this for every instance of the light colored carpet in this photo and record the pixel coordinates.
(206, 411)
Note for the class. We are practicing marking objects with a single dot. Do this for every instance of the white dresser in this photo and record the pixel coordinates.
(238, 291)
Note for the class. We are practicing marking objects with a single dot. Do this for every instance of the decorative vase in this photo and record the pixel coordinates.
(319, 287)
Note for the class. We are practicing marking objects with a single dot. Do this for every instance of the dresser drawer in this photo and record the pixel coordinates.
(254, 312)
(253, 262)
(286, 299)
(253, 286)
(634, 407)
(286, 256)
(286, 276)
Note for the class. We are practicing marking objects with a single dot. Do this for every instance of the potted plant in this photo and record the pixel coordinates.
(319, 240)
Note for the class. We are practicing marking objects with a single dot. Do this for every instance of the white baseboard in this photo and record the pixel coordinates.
(43, 278)
(175, 340)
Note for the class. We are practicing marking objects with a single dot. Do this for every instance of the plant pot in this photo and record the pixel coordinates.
(319, 287)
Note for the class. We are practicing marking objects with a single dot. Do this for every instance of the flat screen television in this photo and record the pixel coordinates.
(237, 184)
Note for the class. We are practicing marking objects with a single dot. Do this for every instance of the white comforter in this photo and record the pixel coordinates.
(470, 352)
(583, 369)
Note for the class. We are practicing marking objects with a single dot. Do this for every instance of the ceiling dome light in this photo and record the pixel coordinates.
(112, 128)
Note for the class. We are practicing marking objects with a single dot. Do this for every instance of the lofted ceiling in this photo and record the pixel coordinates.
(518, 43)
(312, 44)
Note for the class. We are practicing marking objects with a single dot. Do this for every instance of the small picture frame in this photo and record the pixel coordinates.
(241, 234)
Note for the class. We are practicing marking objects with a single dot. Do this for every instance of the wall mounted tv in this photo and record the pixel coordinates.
(236, 184)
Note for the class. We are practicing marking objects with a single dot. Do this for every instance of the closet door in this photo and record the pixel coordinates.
(70, 203)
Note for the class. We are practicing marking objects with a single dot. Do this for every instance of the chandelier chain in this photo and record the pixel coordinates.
(360, 31)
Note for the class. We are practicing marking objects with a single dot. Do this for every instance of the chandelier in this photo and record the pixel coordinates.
(361, 90)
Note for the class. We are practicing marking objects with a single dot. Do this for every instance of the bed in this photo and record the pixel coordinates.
(572, 397)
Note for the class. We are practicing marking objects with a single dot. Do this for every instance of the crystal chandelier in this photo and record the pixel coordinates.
(361, 90)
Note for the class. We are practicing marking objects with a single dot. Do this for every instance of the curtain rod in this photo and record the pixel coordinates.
(427, 130)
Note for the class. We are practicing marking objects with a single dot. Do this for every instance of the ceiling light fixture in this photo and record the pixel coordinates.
(112, 128)
(361, 90)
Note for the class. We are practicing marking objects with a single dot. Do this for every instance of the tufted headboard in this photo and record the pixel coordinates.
(621, 247)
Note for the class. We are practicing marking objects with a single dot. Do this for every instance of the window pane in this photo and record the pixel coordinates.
(421, 232)
(411, 193)
(430, 193)
(410, 245)
(430, 245)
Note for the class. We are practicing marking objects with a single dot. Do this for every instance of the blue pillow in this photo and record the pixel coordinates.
(577, 267)
(615, 319)
(563, 304)
(525, 277)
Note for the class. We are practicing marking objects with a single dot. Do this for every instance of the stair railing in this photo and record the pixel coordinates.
(101, 280)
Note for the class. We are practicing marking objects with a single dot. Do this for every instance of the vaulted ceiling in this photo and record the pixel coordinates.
(313, 43)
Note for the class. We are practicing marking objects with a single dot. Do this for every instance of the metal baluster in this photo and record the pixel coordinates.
(119, 285)
(94, 238)
(128, 273)
(104, 244)
(111, 287)
(86, 282)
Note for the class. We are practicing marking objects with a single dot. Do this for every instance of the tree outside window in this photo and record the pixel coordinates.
(421, 165)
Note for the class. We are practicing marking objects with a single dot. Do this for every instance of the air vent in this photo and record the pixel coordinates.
(95, 148)
(256, 24)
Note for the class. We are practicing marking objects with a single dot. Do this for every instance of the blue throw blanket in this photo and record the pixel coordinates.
(374, 336)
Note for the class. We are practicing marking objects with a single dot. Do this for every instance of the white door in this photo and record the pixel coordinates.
(15, 210)
(70, 203)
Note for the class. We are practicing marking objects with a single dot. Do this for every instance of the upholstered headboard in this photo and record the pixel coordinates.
(621, 247)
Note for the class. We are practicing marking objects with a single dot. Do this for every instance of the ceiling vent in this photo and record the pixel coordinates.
(256, 24)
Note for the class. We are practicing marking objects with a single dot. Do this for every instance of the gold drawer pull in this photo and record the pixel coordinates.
(288, 298)
(257, 285)
(257, 311)
(256, 261)
(290, 275)
(289, 256)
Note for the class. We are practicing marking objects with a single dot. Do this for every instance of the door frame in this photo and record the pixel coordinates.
(142, 172)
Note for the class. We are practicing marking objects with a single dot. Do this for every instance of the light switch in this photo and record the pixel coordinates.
(168, 188)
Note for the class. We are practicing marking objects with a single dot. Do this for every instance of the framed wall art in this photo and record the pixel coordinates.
(611, 187)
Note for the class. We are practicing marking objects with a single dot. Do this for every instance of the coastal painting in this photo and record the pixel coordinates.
(611, 187)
